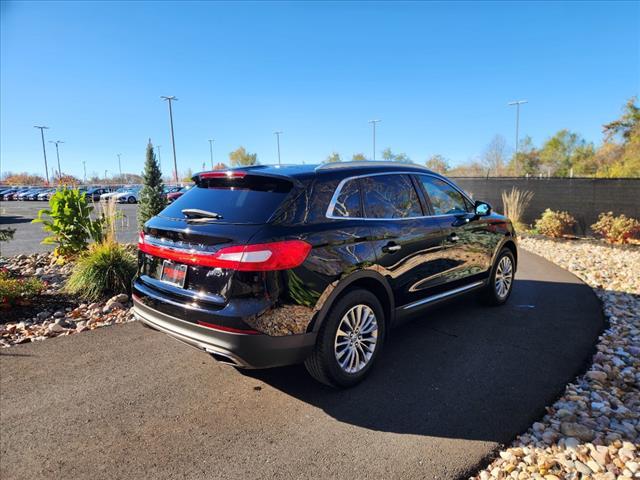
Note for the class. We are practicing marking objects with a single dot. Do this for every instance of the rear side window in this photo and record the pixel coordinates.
(445, 200)
(348, 202)
(251, 199)
(390, 196)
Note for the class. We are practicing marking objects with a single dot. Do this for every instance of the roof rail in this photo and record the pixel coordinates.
(366, 163)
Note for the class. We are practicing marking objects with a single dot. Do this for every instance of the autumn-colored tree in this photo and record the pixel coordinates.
(67, 181)
(23, 179)
(333, 158)
(358, 157)
(437, 163)
(495, 156)
(220, 166)
(240, 157)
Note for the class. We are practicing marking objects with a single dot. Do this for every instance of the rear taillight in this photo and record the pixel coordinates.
(224, 174)
(258, 257)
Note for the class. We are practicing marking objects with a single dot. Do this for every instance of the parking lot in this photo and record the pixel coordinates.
(28, 236)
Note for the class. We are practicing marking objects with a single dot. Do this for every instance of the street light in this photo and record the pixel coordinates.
(56, 143)
(373, 122)
(44, 151)
(211, 151)
(277, 134)
(84, 169)
(517, 103)
(119, 165)
(169, 99)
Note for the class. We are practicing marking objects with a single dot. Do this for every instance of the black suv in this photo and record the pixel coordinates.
(265, 266)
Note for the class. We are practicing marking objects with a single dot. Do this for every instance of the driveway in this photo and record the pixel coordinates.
(127, 402)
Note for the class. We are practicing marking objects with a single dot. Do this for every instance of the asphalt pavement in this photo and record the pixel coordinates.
(127, 402)
(28, 236)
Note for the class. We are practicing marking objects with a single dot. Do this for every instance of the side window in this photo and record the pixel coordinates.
(348, 201)
(390, 196)
(444, 198)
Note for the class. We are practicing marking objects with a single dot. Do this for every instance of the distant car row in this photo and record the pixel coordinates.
(126, 194)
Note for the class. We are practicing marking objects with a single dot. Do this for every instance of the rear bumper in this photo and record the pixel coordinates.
(238, 349)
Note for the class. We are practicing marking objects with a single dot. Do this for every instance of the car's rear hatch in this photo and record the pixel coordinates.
(187, 251)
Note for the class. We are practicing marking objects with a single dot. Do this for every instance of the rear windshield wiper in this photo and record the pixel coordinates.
(196, 213)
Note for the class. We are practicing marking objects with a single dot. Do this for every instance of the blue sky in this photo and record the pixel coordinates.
(438, 75)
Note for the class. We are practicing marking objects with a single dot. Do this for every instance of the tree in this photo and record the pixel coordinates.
(67, 180)
(388, 155)
(626, 125)
(152, 199)
(357, 157)
(495, 156)
(187, 177)
(220, 166)
(438, 164)
(527, 160)
(472, 168)
(23, 179)
(559, 154)
(240, 157)
(333, 158)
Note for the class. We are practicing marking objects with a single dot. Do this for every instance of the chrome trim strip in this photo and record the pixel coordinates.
(442, 295)
(181, 292)
(156, 296)
(336, 194)
(363, 163)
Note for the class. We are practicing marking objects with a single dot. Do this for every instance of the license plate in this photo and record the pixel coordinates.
(173, 273)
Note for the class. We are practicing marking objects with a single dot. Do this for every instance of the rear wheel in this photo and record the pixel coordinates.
(131, 199)
(349, 341)
(501, 279)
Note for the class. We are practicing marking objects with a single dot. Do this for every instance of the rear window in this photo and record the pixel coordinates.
(252, 199)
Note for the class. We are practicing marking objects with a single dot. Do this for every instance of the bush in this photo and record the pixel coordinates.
(616, 229)
(555, 224)
(105, 270)
(14, 290)
(70, 222)
(515, 203)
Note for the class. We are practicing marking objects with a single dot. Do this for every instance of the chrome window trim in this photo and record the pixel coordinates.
(336, 194)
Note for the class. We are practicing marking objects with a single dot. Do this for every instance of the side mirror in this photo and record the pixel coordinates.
(482, 209)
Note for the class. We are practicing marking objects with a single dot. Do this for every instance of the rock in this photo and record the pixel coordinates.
(576, 430)
(112, 306)
(120, 298)
(597, 376)
(55, 328)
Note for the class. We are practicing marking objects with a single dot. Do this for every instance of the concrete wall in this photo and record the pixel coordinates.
(584, 198)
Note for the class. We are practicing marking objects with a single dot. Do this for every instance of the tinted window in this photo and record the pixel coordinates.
(348, 201)
(444, 198)
(252, 199)
(390, 196)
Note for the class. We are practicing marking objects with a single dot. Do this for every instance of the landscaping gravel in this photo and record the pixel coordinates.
(593, 430)
(59, 313)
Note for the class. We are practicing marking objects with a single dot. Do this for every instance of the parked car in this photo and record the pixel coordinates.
(94, 193)
(106, 196)
(265, 266)
(25, 194)
(6, 193)
(173, 196)
(46, 194)
(130, 195)
(33, 194)
(16, 193)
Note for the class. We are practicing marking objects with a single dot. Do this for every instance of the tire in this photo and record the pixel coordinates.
(131, 200)
(357, 358)
(494, 293)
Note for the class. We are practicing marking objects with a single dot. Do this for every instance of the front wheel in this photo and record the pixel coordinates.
(132, 200)
(501, 279)
(349, 341)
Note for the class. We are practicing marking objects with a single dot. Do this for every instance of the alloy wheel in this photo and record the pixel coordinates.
(504, 277)
(356, 338)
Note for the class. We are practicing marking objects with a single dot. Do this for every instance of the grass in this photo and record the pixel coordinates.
(515, 203)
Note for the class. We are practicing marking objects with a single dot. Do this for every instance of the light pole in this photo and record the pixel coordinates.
(517, 103)
(211, 151)
(84, 170)
(44, 150)
(56, 143)
(277, 134)
(119, 165)
(105, 176)
(373, 122)
(173, 141)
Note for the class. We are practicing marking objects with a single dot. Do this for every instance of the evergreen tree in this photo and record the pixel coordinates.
(152, 198)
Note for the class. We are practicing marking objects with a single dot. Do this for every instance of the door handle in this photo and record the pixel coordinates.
(391, 247)
(454, 237)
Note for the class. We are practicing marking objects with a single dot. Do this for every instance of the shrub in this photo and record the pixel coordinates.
(106, 269)
(70, 222)
(616, 229)
(555, 224)
(515, 203)
(14, 290)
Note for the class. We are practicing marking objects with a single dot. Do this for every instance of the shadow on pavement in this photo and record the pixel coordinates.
(13, 219)
(467, 371)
